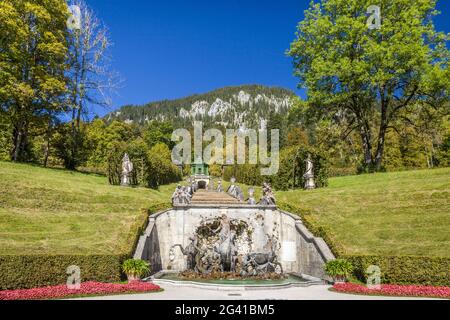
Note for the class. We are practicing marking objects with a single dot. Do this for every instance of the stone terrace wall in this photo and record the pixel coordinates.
(300, 251)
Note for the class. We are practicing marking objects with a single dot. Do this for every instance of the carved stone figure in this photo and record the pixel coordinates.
(190, 252)
(268, 198)
(251, 200)
(181, 196)
(231, 245)
(219, 186)
(231, 189)
(309, 174)
(235, 191)
(263, 256)
(127, 168)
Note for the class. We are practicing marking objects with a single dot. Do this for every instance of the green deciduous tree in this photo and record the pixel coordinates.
(160, 169)
(33, 52)
(371, 77)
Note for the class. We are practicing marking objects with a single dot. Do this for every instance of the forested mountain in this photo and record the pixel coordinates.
(246, 106)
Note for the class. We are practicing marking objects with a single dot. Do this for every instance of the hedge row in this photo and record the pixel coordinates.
(395, 269)
(404, 269)
(31, 271)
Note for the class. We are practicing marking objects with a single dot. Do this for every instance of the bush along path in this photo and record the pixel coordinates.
(394, 290)
(90, 288)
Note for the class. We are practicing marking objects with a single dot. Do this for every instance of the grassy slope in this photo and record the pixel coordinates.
(62, 212)
(56, 211)
(399, 213)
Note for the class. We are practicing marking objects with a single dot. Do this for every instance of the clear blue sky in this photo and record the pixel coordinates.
(167, 49)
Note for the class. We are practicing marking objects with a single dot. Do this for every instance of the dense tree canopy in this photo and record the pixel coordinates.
(372, 79)
(32, 66)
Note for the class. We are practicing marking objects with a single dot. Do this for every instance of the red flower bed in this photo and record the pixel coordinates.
(87, 288)
(395, 290)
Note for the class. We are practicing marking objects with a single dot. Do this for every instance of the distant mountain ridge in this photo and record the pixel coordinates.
(246, 106)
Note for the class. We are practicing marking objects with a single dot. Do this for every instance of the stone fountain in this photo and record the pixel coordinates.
(239, 246)
(235, 241)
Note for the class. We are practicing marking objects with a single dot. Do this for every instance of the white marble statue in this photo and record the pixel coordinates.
(268, 198)
(127, 168)
(181, 196)
(219, 186)
(309, 174)
(251, 200)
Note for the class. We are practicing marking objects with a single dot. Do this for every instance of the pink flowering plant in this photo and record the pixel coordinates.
(90, 288)
(395, 290)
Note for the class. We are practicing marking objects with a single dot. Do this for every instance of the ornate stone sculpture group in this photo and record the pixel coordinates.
(227, 245)
(182, 196)
(219, 186)
(268, 198)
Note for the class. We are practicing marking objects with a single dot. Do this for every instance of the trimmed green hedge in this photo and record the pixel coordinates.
(31, 271)
(404, 269)
(395, 269)
(43, 270)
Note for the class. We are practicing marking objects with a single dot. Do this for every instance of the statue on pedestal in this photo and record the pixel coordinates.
(251, 200)
(309, 174)
(219, 186)
(181, 196)
(268, 198)
(127, 168)
(235, 191)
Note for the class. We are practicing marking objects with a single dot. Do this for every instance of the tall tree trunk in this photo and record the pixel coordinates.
(381, 134)
(46, 152)
(47, 140)
(17, 143)
(367, 145)
(380, 147)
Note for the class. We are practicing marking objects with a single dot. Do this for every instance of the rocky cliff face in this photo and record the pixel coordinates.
(232, 107)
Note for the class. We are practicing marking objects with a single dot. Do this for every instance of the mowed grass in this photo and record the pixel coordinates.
(398, 213)
(61, 212)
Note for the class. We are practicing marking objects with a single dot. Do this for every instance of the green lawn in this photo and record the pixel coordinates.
(399, 213)
(61, 212)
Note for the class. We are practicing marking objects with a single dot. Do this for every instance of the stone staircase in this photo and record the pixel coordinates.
(212, 197)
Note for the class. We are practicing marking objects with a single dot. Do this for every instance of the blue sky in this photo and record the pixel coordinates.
(166, 49)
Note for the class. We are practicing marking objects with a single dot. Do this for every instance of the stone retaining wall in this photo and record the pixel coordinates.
(300, 251)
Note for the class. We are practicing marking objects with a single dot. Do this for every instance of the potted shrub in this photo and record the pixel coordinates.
(135, 269)
(339, 269)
